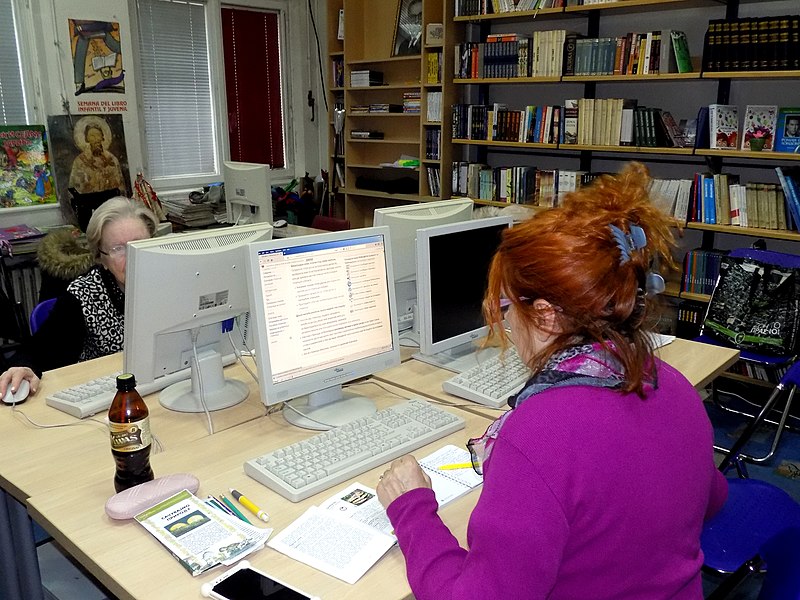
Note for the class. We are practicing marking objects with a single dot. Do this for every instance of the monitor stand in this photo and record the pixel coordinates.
(326, 409)
(460, 358)
(218, 392)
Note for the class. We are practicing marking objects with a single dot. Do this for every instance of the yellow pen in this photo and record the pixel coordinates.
(455, 466)
(249, 505)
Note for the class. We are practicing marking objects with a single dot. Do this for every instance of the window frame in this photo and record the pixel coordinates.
(291, 25)
(29, 61)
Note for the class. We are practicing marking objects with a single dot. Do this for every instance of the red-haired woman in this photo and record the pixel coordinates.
(597, 483)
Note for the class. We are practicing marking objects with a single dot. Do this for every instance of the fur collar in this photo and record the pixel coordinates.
(63, 253)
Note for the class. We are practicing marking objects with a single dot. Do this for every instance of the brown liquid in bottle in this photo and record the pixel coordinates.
(129, 425)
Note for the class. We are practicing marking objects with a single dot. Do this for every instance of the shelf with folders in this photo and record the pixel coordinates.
(580, 10)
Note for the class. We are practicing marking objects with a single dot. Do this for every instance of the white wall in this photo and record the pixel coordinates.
(45, 41)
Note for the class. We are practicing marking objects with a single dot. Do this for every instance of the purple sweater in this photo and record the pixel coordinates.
(588, 493)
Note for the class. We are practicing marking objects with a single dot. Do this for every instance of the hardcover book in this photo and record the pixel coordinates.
(26, 178)
(680, 48)
(787, 130)
(759, 123)
(723, 120)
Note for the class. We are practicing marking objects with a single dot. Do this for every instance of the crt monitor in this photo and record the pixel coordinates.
(181, 293)
(452, 274)
(403, 221)
(248, 193)
(323, 315)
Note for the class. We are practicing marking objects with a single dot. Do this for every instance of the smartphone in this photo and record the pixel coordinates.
(244, 582)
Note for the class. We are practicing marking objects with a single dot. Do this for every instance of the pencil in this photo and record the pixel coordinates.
(455, 466)
(235, 510)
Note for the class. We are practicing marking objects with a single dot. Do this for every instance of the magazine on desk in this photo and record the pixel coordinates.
(199, 535)
(349, 532)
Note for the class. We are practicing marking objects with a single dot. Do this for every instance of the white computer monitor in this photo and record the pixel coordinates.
(248, 192)
(452, 274)
(404, 221)
(181, 292)
(323, 315)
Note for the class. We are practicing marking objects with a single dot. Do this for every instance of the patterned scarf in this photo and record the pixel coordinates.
(589, 364)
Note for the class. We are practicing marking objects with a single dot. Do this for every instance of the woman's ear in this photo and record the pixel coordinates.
(548, 318)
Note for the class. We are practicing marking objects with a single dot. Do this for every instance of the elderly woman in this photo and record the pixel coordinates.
(87, 321)
(597, 482)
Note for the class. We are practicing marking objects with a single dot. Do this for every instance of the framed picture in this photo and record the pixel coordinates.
(408, 28)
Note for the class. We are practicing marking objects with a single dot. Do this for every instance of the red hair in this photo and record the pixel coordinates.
(568, 256)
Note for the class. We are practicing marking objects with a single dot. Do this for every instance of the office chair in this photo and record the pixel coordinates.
(330, 223)
(40, 313)
(777, 365)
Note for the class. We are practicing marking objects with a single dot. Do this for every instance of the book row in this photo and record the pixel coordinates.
(487, 7)
(512, 55)
(588, 121)
(649, 53)
(752, 44)
(700, 271)
(765, 127)
(516, 185)
(434, 181)
(433, 143)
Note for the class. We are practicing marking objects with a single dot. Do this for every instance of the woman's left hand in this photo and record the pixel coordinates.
(403, 475)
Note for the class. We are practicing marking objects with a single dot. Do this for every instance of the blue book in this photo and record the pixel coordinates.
(791, 190)
(709, 200)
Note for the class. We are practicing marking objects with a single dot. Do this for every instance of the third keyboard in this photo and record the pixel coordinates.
(492, 381)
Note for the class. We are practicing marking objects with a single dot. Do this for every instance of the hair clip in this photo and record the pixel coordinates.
(628, 242)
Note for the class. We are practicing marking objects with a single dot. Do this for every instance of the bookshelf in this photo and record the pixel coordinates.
(363, 164)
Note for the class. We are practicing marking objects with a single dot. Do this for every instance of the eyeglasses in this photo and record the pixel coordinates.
(473, 445)
(117, 251)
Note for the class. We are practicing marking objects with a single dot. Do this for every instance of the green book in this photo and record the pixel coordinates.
(680, 46)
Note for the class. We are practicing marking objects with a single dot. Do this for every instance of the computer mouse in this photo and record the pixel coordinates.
(279, 223)
(19, 396)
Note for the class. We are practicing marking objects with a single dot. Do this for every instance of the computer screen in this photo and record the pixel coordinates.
(323, 315)
(404, 221)
(179, 290)
(248, 193)
(452, 274)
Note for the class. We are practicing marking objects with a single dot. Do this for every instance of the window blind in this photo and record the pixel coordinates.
(12, 96)
(176, 88)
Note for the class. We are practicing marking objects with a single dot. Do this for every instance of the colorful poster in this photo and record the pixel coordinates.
(25, 175)
(96, 57)
(89, 153)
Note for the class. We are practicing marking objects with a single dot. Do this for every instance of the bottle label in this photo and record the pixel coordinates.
(130, 437)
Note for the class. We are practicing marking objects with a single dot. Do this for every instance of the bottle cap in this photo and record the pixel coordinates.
(126, 382)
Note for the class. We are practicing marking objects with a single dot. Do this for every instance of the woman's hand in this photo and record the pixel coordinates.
(14, 376)
(403, 475)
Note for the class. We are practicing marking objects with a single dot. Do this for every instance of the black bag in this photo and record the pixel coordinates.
(755, 306)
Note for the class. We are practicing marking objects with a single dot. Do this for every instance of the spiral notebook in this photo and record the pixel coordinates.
(449, 485)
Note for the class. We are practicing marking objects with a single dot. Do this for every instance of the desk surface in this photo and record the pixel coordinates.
(699, 363)
(133, 564)
(68, 475)
(27, 468)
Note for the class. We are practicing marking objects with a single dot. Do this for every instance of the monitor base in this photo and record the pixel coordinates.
(328, 416)
(217, 391)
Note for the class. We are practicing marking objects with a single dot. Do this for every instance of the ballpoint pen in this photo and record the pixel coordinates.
(230, 505)
(249, 505)
(454, 466)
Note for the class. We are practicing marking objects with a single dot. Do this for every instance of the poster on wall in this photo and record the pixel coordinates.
(408, 28)
(25, 175)
(89, 153)
(96, 57)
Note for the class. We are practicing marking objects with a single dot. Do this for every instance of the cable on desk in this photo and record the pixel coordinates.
(240, 358)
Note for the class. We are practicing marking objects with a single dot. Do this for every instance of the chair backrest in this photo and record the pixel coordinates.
(330, 223)
(770, 257)
(40, 313)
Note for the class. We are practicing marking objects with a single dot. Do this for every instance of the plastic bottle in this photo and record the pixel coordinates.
(129, 425)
